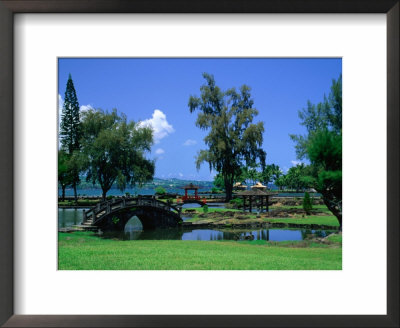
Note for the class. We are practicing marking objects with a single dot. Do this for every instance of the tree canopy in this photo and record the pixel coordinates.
(322, 146)
(270, 173)
(232, 137)
(114, 150)
(64, 176)
(297, 177)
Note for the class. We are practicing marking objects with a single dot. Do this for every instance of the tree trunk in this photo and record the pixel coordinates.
(105, 190)
(63, 192)
(75, 194)
(334, 205)
(228, 191)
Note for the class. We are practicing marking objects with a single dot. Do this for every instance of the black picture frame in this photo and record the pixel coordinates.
(8, 200)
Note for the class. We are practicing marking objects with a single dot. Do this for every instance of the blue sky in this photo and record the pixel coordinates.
(156, 92)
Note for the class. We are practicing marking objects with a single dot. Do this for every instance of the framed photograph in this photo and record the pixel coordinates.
(201, 158)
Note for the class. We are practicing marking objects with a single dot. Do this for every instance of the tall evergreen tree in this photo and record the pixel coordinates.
(233, 138)
(70, 129)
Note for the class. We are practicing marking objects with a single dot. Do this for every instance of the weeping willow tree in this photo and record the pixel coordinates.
(233, 139)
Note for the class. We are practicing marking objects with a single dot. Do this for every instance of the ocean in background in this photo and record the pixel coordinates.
(117, 192)
(151, 191)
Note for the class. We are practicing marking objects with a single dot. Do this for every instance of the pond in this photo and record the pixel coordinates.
(217, 234)
(133, 231)
(68, 217)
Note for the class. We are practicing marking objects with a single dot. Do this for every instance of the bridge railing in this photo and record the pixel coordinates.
(106, 207)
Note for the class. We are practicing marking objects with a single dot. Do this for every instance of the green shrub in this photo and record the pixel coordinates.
(160, 191)
(307, 204)
(205, 209)
(215, 190)
(237, 202)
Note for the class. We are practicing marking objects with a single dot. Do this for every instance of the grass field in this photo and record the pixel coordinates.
(314, 207)
(84, 251)
(80, 202)
(328, 220)
(199, 210)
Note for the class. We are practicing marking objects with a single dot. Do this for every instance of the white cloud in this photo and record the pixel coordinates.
(60, 103)
(159, 151)
(295, 163)
(85, 108)
(180, 174)
(60, 107)
(159, 124)
(190, 142)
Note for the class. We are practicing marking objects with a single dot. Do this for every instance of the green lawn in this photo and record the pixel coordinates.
(83, 251)
(328, 220)
(199, 210)
(80, 202)
(314, 207)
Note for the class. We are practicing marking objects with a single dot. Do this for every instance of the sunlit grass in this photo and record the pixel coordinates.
(80, 202)
(314, 207)
(328, 220)
(83, 251)
(210, 209)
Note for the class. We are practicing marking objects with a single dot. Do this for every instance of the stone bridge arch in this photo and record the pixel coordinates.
(113, 215)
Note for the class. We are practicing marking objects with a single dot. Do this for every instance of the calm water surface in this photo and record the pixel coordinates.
(68, 217)
(133, 231)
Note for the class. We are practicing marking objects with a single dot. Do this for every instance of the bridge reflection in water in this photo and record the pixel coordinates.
(213, 234)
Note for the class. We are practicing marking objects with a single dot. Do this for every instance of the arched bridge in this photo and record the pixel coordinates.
(115, 213)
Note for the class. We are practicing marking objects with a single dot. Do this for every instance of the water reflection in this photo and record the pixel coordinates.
(68, 217)
(196, 205)
(261, 234)
(212, 234)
